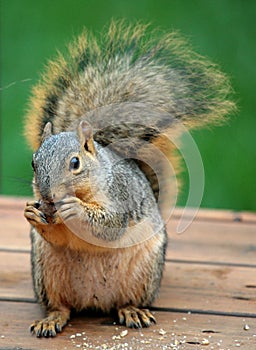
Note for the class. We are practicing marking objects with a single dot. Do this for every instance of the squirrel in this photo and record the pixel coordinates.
(96, 122)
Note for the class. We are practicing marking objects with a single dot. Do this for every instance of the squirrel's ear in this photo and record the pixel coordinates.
(47, 131)
(85, 135)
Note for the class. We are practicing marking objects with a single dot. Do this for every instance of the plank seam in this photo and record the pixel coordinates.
(156, 308)
(212, 263)
(172, 261)
(13, 250)
(204, 312)
(18, 300)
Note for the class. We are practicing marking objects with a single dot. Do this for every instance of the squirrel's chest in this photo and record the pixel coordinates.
(103, 280)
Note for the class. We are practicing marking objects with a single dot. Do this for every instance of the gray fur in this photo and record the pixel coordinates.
(123, 189)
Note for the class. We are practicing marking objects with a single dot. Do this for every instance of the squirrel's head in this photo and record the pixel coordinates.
(63, 162)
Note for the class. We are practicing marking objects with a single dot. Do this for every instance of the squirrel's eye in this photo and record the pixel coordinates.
(74, 163)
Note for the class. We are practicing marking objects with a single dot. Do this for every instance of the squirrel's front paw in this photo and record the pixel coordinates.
(34, 215)
(70, 208)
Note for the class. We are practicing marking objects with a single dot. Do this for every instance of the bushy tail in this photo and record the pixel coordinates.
(127, 66)
(133, 85)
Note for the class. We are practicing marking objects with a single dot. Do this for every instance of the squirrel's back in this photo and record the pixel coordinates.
(131, 84)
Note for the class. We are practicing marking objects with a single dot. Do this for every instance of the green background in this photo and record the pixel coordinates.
(223, 30)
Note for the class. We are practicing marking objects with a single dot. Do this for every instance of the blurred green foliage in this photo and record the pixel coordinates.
(223, 30)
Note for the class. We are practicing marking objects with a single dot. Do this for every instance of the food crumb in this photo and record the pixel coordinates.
(124, 333)
(175, 343)
(162, 332)
(116, 337)
(205, 342)
(72, 336)
(246, 327)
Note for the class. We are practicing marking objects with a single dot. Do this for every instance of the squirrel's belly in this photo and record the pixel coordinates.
(106, 282)
(103, 280)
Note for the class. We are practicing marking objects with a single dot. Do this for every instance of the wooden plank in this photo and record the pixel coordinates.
(15, 276)
(14, 229)
(183, 332)
(215, 241)
(18, 203)
(184, 286)
(210, 270)
(216, 289)
(216, 215)
(13, 203)
(218, 242)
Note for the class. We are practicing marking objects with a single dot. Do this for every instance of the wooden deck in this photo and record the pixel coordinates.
(207, 298)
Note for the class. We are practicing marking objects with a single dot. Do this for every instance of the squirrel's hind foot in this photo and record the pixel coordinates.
(51, 325)
(133, 317)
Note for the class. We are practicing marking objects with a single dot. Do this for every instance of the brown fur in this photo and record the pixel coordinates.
(94, 271)
(172, 80)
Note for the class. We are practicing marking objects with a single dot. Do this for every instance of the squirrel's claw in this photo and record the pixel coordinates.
(35, 204)
(51, 325)
(133, 317)
(69, 208)
(33, 215)
(43, 329)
